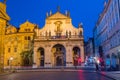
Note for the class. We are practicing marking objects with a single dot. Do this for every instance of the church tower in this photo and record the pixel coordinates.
(4, 18)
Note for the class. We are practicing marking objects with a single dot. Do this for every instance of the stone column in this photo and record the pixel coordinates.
(69, 56)
(82, 53)
(35, 65)
(52, 59)
(48, 61)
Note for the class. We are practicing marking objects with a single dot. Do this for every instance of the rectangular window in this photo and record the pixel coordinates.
(8, 49)
(25, 37)
(15, 49)
(29, 38)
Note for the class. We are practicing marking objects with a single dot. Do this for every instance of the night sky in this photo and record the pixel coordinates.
(85, 11)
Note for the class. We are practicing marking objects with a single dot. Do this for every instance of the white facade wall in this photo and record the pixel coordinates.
(107, 31)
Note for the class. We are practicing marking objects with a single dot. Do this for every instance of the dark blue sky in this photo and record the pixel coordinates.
(85, 11)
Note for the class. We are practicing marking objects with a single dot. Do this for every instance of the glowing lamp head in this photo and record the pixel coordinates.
(98, 61)
(11, 58)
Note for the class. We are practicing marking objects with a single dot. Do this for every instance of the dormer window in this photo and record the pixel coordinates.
(27, 30)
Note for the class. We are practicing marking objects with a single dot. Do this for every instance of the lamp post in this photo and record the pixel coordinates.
(11, 59)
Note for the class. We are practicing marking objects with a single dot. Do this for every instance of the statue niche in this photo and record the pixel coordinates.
(58, 29)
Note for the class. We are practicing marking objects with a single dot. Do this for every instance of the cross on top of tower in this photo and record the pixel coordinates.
(58, 8)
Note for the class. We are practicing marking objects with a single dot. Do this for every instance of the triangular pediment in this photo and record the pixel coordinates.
(4, 15)
(27, 23)
(58, 15)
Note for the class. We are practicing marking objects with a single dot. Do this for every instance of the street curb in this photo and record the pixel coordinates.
(107, 75)
(2, 74)
(59, 70)
(56, 70)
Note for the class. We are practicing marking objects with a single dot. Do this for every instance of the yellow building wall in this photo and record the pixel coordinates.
(4, 18)
(17, 40)
(2, 33)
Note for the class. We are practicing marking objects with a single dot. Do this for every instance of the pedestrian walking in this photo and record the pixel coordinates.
(97, 66)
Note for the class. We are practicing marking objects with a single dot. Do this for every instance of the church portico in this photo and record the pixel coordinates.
(56, 53)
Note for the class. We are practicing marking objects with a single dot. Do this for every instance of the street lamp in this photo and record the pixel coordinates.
(11, 59)
(96, 60)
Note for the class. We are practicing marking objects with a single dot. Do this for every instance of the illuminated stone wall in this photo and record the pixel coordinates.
(17, 41)
(58, 30)
(4, 18)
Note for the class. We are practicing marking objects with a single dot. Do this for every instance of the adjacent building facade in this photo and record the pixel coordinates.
(58, 43)
(107, 33)
(19, 45)
(4, 18)
(89, 48)
(15, 43)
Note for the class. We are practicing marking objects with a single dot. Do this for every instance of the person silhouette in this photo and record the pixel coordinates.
(96, 65)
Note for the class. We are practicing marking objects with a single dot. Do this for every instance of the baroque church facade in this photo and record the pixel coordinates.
(58, 43)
